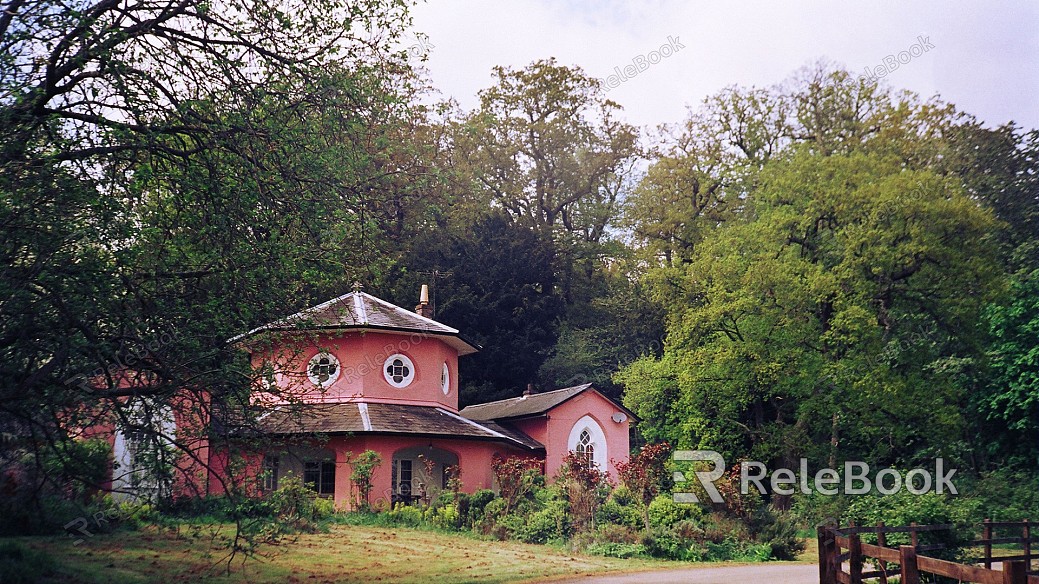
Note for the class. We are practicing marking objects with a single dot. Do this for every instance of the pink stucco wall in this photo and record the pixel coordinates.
(553, 430)
(361, 357)
(474, 458)
(191, 422)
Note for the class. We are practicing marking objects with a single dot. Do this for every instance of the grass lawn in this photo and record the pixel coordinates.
(344, 554)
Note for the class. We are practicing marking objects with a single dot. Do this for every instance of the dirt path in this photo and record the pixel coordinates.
(763, 573)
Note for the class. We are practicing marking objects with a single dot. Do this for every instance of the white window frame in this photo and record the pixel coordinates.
(598, 436)
(406, 381)
(331, 378)
(151, 429)
(445, 379)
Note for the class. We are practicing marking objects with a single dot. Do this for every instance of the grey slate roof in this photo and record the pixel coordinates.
(381, 418)
(359, 310)
(518, 407)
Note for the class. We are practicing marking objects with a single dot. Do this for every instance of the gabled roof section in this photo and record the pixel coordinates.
(531, 405)
(360, 310)
(382, 418)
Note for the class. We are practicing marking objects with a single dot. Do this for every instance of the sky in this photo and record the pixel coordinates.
(981, 56)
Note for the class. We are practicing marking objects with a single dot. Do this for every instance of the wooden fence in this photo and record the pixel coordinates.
(842, 548)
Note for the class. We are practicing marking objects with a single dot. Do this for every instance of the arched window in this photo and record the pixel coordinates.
(586, 447)
(587, 439)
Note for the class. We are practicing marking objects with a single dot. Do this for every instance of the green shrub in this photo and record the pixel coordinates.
(904, 507)
(664, 512)
(477, 505)
(548, 524)
(611, 533)
(362, 469)
(719, 527)
(622, 496)
(663, 543)
(445, 517)
(723, 550)
(133, 514)
(25, 514)
(619, 511)
(616, 550)
(20, 564)
(755, 553)
(324, 508)
(76, 466)
(405, 515)
(491, 514)
(681, 541)
(506, 526)
(292, 504)
(1007, 494)
(814, 508)
(778, 531)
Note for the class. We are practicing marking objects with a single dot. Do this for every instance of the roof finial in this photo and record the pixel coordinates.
(357, 286)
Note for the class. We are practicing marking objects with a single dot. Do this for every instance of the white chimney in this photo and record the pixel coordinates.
(423, 308)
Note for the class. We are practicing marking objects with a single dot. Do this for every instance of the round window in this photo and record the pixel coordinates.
(398, 370)
(445, 379)
(323, 369)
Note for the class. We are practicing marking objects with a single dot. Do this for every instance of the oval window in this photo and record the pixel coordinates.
(445, 379)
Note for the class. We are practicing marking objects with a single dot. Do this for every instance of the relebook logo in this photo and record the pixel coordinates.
(856, 479)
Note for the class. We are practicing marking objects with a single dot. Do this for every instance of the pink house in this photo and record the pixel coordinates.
(358, 373)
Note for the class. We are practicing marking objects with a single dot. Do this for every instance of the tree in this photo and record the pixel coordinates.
(850, 289)
(705, 170)
(545, 146)
(172, 175)
(616, 325)
(500, 292)
(1009, 398)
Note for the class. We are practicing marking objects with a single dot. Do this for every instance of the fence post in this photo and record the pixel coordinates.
(882, 542)
(825, 551)
(1027, 533)
(907, 558)
(913, 536)
(1015, 573)
(987, 536)
(855, 557)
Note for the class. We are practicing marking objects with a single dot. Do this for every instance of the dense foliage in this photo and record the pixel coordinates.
(827, 268)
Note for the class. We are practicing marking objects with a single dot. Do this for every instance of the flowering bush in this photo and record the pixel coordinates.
(516, 477)
(585, 488)
(645, 474)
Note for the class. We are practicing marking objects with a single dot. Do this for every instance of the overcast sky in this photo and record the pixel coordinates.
(982, 56)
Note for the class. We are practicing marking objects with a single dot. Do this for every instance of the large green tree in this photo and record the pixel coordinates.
(174, 173)
(834, 320)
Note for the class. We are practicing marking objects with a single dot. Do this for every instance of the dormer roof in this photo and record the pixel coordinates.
(532, 405)
(362, 311)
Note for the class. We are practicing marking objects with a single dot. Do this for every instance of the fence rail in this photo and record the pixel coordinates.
(841, 547)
